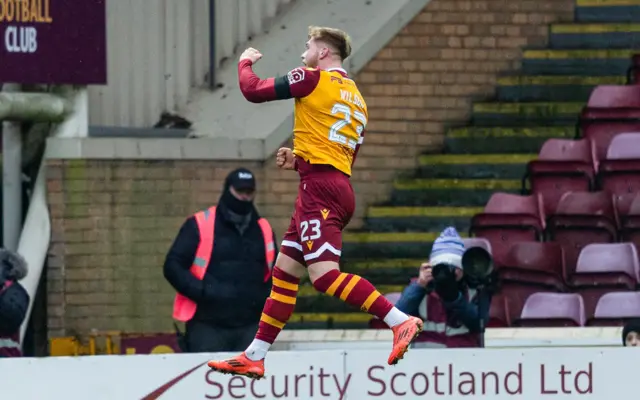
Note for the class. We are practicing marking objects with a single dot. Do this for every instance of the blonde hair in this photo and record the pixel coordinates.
(336, 38)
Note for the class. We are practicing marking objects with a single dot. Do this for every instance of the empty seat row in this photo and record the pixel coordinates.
(599, 264)
(545, 309)
(532, 267)
(602, 268)
(571, 165)
(580, 218)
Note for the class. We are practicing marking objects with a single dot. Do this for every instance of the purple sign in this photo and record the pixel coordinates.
(53, 41)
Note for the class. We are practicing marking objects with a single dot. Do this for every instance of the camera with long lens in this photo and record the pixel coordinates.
(477, 265)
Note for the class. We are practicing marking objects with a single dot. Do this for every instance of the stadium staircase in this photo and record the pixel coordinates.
(488, 155)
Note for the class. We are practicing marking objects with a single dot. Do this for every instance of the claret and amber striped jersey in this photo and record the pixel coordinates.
(330, 112)
(329, 122)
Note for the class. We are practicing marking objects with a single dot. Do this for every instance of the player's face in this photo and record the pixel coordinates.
(311, 56)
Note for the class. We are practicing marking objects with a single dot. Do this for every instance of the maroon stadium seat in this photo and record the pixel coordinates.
(509, 218)
(535, 263)
(623, 203)
(619, 172)
(614, 309)
(515, 295)
(611, 110)
(562, 166)
(602, 268)
(552, 310)
(581, 219)
(498, 313)
(628, 207)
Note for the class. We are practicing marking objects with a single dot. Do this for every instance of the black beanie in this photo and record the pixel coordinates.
(631, 326)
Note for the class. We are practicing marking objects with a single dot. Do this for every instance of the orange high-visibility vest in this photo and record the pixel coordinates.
(184, 308)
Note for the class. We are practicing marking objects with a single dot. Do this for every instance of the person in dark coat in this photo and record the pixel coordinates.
(237, 281)
(14, 302)
(631, 333)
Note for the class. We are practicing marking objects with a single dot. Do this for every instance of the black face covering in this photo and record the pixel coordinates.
(235, 205)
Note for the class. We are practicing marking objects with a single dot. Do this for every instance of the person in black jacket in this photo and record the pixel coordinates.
(631, 333)
(14, 302)
(232, 293)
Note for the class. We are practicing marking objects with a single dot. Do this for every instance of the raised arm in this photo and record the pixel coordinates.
(299, 82)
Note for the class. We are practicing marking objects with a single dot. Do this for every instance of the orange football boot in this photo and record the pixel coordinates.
(239, 365)
(403, 335)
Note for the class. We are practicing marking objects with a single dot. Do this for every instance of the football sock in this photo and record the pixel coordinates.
(360, 293)
(275, 314)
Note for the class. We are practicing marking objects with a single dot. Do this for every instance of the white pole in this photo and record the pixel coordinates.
(11, 180)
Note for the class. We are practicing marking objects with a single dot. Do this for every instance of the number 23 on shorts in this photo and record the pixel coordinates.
(310, 230)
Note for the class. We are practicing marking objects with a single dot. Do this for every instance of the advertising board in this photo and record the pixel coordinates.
(53, 41)
(500, 374)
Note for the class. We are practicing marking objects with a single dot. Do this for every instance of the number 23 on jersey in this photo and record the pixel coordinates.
(344, 131)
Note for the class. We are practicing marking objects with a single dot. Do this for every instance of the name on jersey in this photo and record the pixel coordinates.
(351, 98)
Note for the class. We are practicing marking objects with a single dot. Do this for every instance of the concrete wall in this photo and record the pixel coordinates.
(158, 51)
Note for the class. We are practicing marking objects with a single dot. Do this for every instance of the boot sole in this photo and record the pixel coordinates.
(251, 375)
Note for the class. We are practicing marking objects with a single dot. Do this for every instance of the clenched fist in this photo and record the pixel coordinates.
(251, 54)
(285, 158)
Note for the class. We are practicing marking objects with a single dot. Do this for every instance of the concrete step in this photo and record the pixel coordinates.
(480, 166)
(387, 271)
(347, 320)
(419, 219)
(311, 301)
(607, 11)
(449, 192)
(595, 36)
(503, 140)
(387, 245)
(540, 88)
(589, 62)
(526, 114)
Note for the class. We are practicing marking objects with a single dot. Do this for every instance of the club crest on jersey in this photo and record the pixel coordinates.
(295, 76)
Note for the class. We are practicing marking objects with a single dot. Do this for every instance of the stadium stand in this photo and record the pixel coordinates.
(559, 255)
(537, 177)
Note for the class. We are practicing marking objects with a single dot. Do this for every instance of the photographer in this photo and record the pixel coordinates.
(14, 302)
(443, 297)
